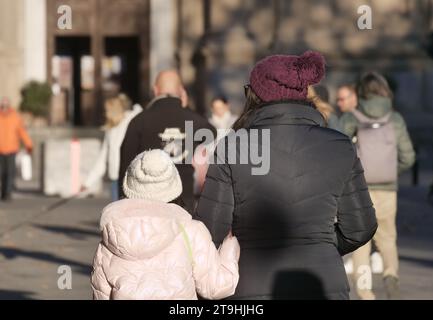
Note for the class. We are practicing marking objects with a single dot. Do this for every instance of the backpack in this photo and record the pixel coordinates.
(376, 143)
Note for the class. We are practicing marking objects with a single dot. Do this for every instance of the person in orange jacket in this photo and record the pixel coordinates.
(12, 132)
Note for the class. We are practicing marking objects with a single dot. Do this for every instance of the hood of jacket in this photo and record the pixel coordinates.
(288, 113)
(141, 229)
(376, 106)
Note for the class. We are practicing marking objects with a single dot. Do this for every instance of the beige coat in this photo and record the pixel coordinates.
(155, 251)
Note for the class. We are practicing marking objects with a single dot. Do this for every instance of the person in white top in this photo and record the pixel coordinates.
(118, 116)
(222, 118)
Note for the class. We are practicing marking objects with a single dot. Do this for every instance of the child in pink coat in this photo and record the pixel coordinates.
(152, 249)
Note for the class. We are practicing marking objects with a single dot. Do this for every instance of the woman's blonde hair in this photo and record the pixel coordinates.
(127, 103)
(323, 107)
(115, 109)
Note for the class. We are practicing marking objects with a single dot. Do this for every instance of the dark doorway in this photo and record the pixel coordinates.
(127, 78)
(74, 48)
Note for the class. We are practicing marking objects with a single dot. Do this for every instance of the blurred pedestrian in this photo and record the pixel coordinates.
(151, 249)
(312, 206)
(319, 96)
(222, 118)
(386, 150)
(347, 99)
(12, 132)
(162, 126)
(117, 118)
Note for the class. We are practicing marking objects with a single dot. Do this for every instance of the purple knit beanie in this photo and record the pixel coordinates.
(284, 77)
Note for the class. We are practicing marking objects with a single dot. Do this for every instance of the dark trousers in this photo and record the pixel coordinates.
(7, 173)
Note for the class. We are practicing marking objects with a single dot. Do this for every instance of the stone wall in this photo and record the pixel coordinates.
(244, 31)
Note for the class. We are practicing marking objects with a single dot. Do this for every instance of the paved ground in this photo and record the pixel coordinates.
(34, 244)
(415, 230)
(31, 254)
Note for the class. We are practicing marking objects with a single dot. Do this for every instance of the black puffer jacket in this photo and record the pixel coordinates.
(291, 244)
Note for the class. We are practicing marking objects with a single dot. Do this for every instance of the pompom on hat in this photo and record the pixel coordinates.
(286, 77)
(152, 175)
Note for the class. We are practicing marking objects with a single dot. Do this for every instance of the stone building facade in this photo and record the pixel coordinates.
(214, 43)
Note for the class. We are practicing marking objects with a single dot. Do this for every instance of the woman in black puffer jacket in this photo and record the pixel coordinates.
(296, 221)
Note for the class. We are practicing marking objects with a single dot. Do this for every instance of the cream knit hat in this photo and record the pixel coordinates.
(152, 175)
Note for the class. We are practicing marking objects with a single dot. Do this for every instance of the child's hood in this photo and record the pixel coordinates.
(141, 229)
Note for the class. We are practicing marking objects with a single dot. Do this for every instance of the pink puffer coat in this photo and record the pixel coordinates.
(155, 251)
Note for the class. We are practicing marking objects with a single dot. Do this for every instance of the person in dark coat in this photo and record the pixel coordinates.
(163, 126)
(296, 222)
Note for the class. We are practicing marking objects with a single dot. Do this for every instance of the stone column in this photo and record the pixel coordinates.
(162, 35)
(11, 49)
(35, 40)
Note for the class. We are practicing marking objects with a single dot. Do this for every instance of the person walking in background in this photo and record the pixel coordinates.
(312, 207)
(319, 96)
(12, 132)
(151, 248)
(222, 118)
(386, 150)
(118, 116)
(347, 99)
(162, 126)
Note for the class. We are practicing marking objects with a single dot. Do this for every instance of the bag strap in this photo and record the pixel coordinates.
(366, 122)
(187, 242)
(362, 118)
(385, 119)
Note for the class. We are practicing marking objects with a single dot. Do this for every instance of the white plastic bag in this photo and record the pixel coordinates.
(26, 167)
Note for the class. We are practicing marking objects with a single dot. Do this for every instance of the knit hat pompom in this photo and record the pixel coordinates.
(152, 175)
(285, 77)
(155, 163)
(310, 67)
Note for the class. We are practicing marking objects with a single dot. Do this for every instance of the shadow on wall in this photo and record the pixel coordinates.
(297, 285)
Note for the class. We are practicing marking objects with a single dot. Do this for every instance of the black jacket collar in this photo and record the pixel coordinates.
(287, 113)
(165, 100)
